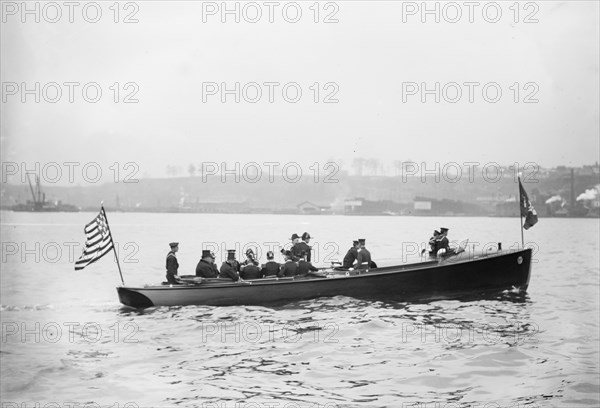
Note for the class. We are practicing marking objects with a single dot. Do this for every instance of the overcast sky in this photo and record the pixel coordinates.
(369, 56)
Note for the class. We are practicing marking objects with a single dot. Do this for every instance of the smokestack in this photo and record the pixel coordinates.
(572, 189)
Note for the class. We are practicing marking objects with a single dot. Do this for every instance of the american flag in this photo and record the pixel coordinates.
(98, 243)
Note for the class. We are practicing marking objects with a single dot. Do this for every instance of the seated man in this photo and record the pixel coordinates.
(443, 243)
(433, 245)
(351, 256)
(249, 269)
(230, 268)
(206, 268)
(271, 268)
(304, 266)
(289, 268)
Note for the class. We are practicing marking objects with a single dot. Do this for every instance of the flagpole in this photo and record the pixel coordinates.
(520, 215)
(113, 242)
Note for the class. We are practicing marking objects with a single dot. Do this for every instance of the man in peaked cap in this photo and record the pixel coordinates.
(363, 260)
(295, 250)
(351, 255)
(302, 247)
(443, 243)
(206, 268)
(230, 268)
(172, 265)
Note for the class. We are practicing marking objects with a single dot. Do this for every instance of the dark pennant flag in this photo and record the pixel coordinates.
(527, 209)
(98, 241)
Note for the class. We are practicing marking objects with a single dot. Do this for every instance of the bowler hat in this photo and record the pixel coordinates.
(305, 236)
(206, 253)
(295, 236)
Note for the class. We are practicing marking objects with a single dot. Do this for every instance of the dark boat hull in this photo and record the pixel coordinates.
(426, 280)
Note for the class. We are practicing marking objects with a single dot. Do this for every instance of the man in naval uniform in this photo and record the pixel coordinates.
(433, 243)
(295, 249)
(443, 243)
(351, 256)
(230, 268)
(172, 265)
(303, 246)
(304, 266)
(249, 269)
(206, 268)
(363, 260)
(290, 267)
(271, 268)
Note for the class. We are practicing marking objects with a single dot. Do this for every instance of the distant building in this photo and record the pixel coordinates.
(306, 207)
(422, 205)
(216, 206)
(360, 206)
(431, 206)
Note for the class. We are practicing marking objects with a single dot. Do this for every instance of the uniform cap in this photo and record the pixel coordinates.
(355, 242)
(230, 254)
(173, 244)
(361, 240)
(442, 230)
(206, 252)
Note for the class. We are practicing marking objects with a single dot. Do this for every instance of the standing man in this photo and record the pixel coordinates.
(351, 255)
(363, 260)
(295, 249)
(303, 246)
(172, 265)
(206, 268)
(230, 268)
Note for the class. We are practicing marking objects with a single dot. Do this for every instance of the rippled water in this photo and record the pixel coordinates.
(535, 349)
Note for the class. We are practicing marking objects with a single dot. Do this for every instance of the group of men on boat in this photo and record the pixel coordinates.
(297, 262)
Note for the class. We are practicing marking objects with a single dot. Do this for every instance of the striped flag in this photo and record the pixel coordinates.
(98, 241)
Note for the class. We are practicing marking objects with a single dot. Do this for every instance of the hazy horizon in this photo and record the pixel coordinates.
(368, 61)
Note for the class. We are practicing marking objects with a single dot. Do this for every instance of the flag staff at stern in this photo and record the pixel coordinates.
(527, 211)
(98, 242)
